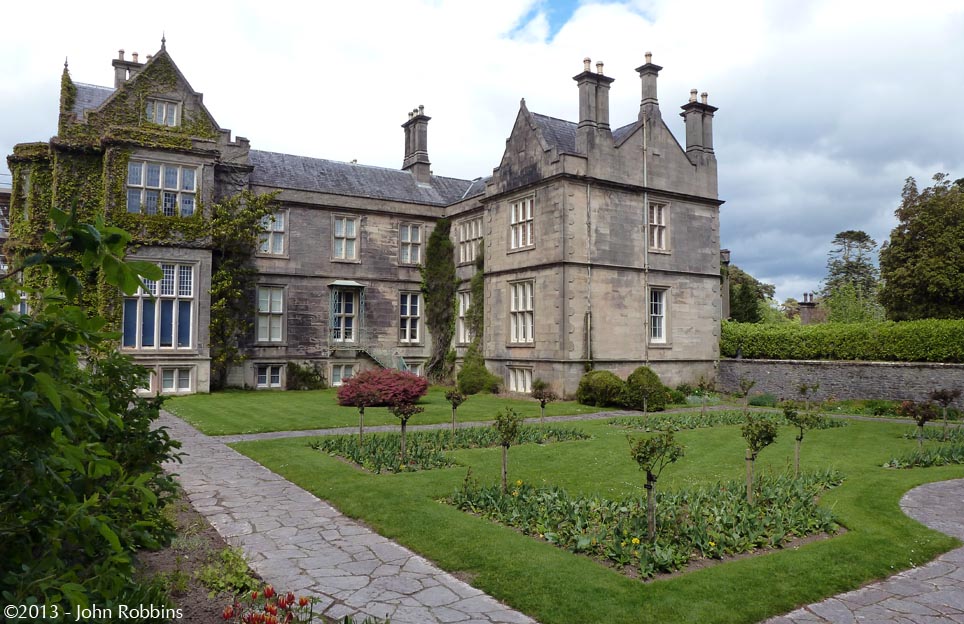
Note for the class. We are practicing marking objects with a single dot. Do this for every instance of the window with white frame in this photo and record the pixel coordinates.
(417, 368)
(269, 376)
(464, 333)
(273, 234)
(175, 380)
(271, 313)
(146, 383)
(520, 312)
(163, 112)
(410, 241)
(409, 315)
(658, 232)
(160, 188)
(470, 239)
(657, 315)
(341, 373)
(520, 379)
(161, 314)
(343, 306)
(345, 238)
(520, 223)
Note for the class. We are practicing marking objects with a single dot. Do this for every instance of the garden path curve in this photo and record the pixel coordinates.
(300, 543)
(930, 594)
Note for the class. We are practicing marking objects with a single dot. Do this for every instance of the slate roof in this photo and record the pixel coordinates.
(89, 97)
(328, 176)
(621, 133)
(559, 133)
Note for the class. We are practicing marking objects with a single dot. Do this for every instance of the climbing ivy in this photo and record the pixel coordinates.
(439, 285)
(235, 234)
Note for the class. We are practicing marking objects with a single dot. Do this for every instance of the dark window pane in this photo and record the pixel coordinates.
(147, 324)
(184, 323)
(167, 323)
(130, 322)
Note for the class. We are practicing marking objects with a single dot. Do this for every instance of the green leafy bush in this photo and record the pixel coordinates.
(763, 399)
(922, 458)
(227, 571)
(426, 449)
(931, 340)
(709, 522)
(308, 376)
(474, 377)
(643, 388)
(600, 388)
(676, 397)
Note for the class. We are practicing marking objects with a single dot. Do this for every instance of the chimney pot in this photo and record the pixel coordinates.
(134, 56)
(704, 96)
(421, 109)
(599, 67)
(120, 54)
(649, 57)
(586, 62)
(410, 114)
(693, 95)
(149, 57)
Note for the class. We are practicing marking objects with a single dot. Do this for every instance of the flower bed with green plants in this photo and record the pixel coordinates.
(692, 523)
(426, 449)
(943, 455)
(716, 418)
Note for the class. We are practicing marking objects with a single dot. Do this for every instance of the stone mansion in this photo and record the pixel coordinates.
(600, 242)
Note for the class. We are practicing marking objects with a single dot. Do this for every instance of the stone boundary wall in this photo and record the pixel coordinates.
(843, 380)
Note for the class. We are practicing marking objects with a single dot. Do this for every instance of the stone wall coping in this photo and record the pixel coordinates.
(951, 365)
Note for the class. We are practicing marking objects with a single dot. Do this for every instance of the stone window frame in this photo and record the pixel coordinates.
(156, 294)
(274, 228)
(341, 367)
(658, 222)
(517, 374)
(522, 223)
(337, 317)
(269, 375)
(405, 326)
(180, 192)
(659, 318)
(469, 239)
(170, 112)
(178, 374)
(463, 334)
(270, 314)
(522, 312)
(412, 247)
(354, 239)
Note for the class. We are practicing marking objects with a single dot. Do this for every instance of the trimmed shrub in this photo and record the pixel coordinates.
(644, 383)
(392, 387)
(763, 399)
(931, 340)
(304, 377)
(600, 388)
(676, 397)
(474, 377)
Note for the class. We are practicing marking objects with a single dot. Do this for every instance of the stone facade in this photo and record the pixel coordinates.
(896, 381)
(601, 245)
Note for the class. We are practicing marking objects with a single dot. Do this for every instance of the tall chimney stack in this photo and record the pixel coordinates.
(648, 73)
(699, 126)
(416, 145)
(593, 106)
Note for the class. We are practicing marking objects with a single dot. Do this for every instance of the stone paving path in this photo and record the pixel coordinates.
(300, 543)
(930, 594)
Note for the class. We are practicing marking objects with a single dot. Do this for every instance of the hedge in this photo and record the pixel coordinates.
(931, 340)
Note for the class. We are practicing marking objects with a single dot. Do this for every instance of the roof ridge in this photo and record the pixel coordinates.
(342, 162)
(87, 84)
(554, 118)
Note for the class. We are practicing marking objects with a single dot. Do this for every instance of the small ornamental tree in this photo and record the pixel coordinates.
(944, 398)
(759, 434)
(807, 391)
(921, 413)
(507, 423)
(643, 390)
(403, 412)
(455, 398)
(382, 387)
(803, 421)
(745, 386)
(544, 394)
(653, 454)
(705, 386)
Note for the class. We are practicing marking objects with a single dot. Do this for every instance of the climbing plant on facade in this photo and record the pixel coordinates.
(439, 285)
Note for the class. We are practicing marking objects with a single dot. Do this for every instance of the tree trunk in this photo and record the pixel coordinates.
(702, 405)
(796, 458)
(920, 437)
(542, 417)
(944, 410)
(749, 477)
(453, 427)
(650, 508)
(403, 440)
(645, 411)
(361, 426)
(505, 468)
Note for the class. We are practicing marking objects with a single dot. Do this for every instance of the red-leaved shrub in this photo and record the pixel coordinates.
(382, 387)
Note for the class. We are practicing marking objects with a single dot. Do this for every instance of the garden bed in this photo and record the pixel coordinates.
(712, 418)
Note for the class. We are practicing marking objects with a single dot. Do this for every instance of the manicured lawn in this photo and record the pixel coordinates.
(240, 411)
(557, 587)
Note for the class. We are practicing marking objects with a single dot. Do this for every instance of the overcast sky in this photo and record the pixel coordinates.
(825, 106)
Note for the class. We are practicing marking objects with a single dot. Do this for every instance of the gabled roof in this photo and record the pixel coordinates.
(619, 134)
(558, 133)
(302, 173)
(89, 97)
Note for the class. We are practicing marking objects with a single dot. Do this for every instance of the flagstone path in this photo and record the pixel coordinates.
(300, 543)
(930, 594)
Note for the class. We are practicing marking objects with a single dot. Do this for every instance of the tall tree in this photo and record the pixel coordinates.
(922, 265)
(761, 290)
(745, 304)
(851, 261)
(439, 285)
